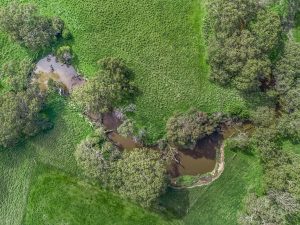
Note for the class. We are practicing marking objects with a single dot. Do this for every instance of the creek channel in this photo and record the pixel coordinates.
(200, 160)
(197, 161)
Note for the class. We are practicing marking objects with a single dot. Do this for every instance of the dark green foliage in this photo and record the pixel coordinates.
(287, 69)
(251, 75)
(282, 173)
(275, 208)
(64, 55)
(290, 101)
(58, 26)
(140, 175)
(20, 116)
(227, 17)
(18, 74)
(127, 128)
(263, 116)
(184, 129)
(240, 142)
(107, 89)
(241, 42)
(289, 126)
(24, 25)
(267, 30)
(228, 57)
(94, 155)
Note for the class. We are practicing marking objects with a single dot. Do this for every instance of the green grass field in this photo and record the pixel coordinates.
(162, 42)
(54, 148)
(57, 198)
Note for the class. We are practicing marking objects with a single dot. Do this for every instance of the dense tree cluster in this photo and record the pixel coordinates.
(95, 156)
(18, 74)
(110, 87)
(140, 175)
(275, 208)
(184, 129)
(243, 37)
(20, 116)
(287, 76)
(23, 23)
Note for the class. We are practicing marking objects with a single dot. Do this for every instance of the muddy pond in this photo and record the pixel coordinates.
(49, 68)
(200, 160)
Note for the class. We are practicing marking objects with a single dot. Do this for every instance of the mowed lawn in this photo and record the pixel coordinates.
(162, 42)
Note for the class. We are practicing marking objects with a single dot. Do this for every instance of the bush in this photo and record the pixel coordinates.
(64, 55)
(140, 175)
(185, 129)
(240, 142)
(126, 128)
(66, 34)
(94, 156)
(109, 88)
(263, 116)
(24, 25)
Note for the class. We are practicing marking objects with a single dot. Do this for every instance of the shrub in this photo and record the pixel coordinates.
(64, 55)
(184, 129)
(24, 25)
(94, 156)
(140, 175)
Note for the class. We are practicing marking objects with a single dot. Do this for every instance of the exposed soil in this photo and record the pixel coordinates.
(49, 68)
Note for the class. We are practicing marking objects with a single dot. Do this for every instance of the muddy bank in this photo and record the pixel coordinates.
(49, 68)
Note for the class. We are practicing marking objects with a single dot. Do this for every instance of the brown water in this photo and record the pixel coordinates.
(200, 160)
(48, 68)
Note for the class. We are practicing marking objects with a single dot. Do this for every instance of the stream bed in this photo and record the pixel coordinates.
(200, 160)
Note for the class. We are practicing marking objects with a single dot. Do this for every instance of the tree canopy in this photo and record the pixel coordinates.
(20, 116)
(184, 129)
(23, 23)
(109, 87)
(140, 175)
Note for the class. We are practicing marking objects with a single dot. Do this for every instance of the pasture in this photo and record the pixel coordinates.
(163, 44)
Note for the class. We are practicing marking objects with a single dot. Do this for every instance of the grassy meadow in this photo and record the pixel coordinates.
(162, 42)
(58, 198)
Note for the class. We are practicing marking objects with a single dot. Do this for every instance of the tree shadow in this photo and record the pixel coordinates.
(175, 203)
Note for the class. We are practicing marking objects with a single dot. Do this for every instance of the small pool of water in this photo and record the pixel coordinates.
(200, 160)
(49, 68)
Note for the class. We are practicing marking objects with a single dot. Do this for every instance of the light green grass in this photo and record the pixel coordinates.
(218, 203)
(54, 147)
(161, 40)
(56, 198)
(296, 30)
(289, 146)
